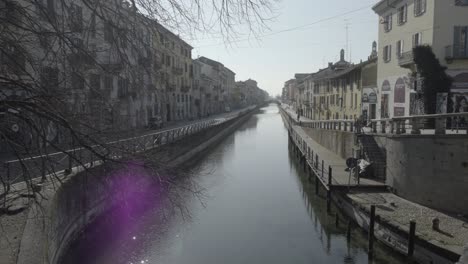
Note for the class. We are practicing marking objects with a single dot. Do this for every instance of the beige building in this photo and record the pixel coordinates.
(176, 75)
(404, 24)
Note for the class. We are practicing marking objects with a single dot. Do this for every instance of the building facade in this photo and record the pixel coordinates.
(405, 24)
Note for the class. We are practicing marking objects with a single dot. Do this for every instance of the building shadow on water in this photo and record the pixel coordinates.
(330, 234)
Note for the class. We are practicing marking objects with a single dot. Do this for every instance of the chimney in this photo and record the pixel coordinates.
(342, 55)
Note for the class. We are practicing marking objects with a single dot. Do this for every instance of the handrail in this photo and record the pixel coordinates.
(116, 148)
(416, 124)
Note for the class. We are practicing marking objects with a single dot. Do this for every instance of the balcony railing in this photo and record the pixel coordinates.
(406, 59)
(452, 53)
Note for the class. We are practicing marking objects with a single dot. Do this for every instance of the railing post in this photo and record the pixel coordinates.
(440, 124)
(412, 234)
(415, 128)
(371, 231)
(8, 174)
(323, 172)
(398, 127)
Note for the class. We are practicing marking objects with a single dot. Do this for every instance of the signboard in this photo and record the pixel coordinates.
(386, 86)
(400, 93)
(365, 98)
(372, 98)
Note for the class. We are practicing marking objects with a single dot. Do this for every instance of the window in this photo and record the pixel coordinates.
(461, 2)
(123, 39)
(77, 81)
(460, 42)
(123, 87)
(46, 9)
(388, 23)
(50, 78)
(108, 32)
(95, 81)
(355, 102)
(402, 14)
(417, 39)
(92, 27)
(76, 18)
(108, 82)
(419, 7)
(399, 48)
(387, 53)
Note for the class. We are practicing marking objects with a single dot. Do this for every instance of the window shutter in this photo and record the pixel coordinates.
(456, 41)
(415, 7)
(389, 52)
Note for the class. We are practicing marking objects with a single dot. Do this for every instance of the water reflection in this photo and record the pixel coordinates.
(258, 207)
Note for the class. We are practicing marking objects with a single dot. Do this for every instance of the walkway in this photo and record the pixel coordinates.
(398, 212)
(340, 177)
(318, 154)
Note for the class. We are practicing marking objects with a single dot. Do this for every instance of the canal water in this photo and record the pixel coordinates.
(254, 205)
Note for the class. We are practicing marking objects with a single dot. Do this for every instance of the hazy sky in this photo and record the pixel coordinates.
(273, 59)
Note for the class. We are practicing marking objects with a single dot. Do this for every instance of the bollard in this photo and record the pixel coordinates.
(316, 185)
(371, 231)
(412, 233)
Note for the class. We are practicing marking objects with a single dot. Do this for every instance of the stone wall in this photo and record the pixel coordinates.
(340, 142)
(427, 169)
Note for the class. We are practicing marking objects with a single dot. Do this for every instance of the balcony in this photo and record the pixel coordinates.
(406, 60)
(455, 53)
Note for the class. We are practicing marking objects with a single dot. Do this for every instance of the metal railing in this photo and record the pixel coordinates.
(437, 124)
(41, 165)
(406, 58)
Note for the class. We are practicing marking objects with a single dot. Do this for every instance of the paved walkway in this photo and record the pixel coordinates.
(453, 234)
(340, 177)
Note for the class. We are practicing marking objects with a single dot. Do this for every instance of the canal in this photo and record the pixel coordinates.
(254, 205)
